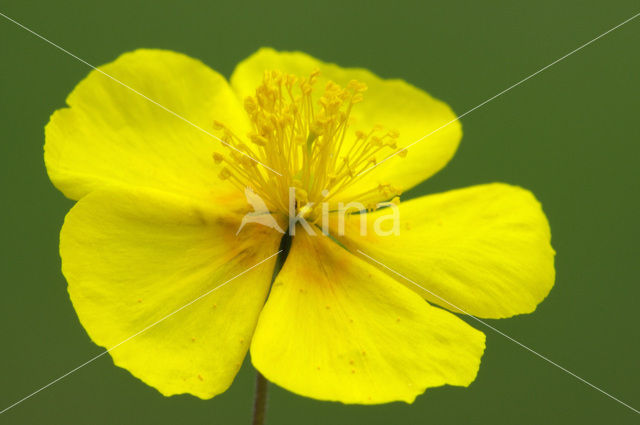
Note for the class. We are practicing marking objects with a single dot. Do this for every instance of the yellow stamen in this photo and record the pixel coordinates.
(310, 145)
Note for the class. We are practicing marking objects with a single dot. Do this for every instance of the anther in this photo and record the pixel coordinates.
(218, 158)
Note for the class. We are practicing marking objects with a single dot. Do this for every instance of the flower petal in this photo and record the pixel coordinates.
(110, 135)
(336, 328)
(485, 249)
(394, 104)
(133, 258)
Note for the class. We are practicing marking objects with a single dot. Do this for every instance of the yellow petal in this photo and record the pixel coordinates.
(336, 328)
(394, 104)
(132, 258)
(485, 249)
(110, 135)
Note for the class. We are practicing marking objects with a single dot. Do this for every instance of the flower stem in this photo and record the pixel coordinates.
(260, 400)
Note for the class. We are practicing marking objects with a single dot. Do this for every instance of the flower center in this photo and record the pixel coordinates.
(310, 145)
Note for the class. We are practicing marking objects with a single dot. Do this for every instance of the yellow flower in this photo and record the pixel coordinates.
(159, 204)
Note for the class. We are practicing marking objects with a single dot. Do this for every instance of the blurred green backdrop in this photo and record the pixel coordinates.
(571, 135)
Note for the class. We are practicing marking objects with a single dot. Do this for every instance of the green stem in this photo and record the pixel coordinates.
(260, 400)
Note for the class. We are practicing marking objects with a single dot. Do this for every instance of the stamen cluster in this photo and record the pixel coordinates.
(309, 144)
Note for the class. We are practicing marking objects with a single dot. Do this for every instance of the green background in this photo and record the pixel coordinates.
(570, 134)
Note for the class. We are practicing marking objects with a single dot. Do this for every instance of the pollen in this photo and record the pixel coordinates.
(309, 140)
